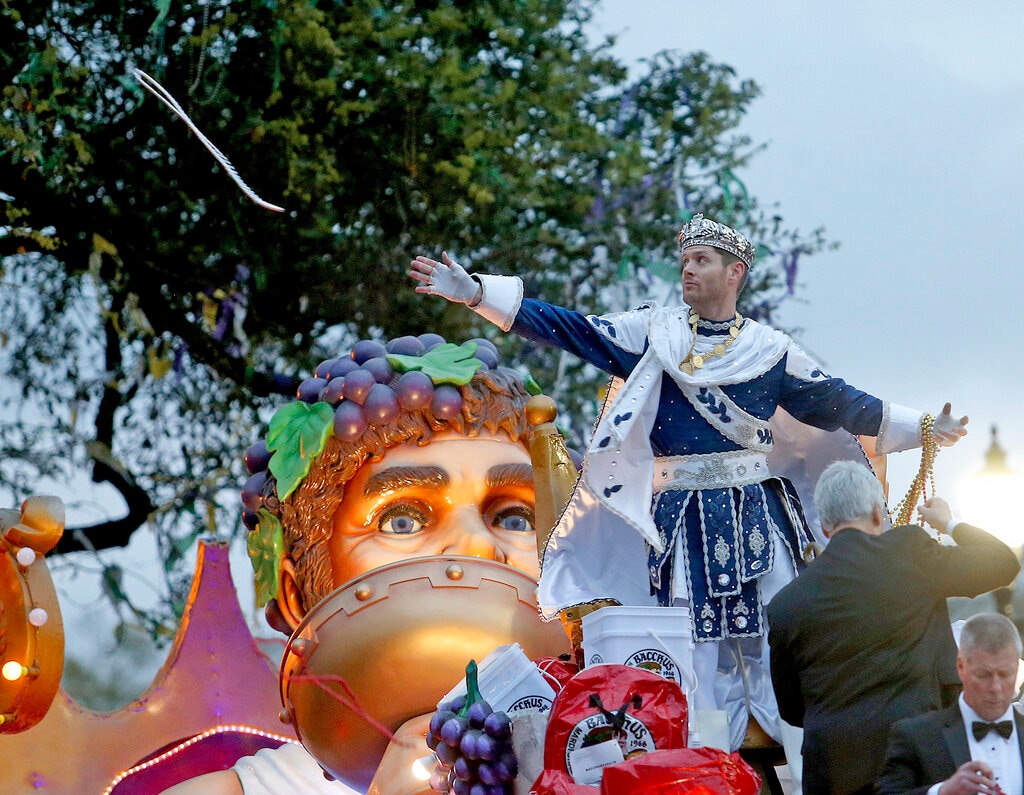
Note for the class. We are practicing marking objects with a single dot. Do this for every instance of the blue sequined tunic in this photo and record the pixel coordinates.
(724, 532)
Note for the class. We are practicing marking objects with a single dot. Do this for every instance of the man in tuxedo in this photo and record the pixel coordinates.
(862, 637)
(977, 744)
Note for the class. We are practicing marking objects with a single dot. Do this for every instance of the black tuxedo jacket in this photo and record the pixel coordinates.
(862, 638)
(928, 749)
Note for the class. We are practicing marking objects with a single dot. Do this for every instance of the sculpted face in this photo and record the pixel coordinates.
(457, 496)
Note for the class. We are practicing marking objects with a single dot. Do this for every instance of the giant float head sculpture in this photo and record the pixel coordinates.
(392, 529)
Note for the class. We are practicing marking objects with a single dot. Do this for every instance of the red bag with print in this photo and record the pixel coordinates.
(699, 771)
(608, 713)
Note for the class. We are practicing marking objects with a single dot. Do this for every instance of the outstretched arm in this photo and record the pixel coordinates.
(500, 300)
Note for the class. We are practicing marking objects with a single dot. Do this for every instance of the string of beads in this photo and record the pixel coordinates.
(924, 480)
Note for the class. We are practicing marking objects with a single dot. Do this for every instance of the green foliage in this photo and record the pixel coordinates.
(156, 318)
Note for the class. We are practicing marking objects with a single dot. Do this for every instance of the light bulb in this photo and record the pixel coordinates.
(12, 670)
(26, 556)
(423, 766)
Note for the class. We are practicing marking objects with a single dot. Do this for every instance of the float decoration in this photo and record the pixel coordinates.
(298, 433)
(31, 630)
(445, 364)
(265, 545)
(215, 683)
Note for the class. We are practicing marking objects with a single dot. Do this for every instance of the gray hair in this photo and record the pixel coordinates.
(989, 632)
(847, 492)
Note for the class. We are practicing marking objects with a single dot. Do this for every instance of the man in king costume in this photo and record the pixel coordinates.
(680, 454)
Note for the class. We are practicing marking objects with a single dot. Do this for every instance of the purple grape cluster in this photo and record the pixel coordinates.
(364, 391)
(259, 490)
(473, 747)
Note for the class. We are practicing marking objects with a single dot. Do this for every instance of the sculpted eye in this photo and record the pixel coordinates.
(401, 520)
(517, 520)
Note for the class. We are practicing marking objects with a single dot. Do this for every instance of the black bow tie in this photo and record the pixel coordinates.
(1003, 728)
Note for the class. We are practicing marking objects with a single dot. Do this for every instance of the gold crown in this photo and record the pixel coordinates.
(703, 231)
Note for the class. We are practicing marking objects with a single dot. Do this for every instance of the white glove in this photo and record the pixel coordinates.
(947, 428)
(447, 279)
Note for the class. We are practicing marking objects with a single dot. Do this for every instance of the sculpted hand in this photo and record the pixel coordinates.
(936, 512)
(947, 429)
(447, 279)
(974, 776)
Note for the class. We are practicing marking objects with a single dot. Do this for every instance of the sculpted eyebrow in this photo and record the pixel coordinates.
(510, 475)
(403, 478)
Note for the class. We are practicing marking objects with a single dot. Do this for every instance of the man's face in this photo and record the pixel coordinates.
(708, 284)
(989, 680)
(454, 496)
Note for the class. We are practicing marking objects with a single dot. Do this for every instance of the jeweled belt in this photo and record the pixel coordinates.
(709, 470)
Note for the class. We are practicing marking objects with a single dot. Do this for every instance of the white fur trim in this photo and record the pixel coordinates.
(900, 429)
(501, 299)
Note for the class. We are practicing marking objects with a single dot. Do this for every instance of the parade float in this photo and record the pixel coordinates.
(385, 676)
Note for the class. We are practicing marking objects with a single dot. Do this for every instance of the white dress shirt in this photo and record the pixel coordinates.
(1003, 756)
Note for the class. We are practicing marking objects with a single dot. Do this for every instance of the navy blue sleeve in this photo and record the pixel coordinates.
(574, 332)
(830, 404)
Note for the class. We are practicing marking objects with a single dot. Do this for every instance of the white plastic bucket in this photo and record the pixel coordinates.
(655, 639)
(510, 682)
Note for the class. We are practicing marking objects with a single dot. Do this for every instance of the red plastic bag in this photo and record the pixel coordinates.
(558, 782)
(700, 771)
(608, 713)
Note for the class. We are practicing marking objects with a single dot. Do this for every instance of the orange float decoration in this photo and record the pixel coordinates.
(31, 631)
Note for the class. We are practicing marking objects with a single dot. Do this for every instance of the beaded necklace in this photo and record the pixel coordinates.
(692, 361)
(925, 477)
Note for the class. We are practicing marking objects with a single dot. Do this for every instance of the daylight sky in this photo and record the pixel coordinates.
(899, 127)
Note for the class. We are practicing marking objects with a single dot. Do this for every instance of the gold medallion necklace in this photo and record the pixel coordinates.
(694, 361)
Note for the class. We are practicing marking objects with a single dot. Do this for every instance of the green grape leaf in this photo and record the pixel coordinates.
(297, 435)
(266, 548)
(445, 364)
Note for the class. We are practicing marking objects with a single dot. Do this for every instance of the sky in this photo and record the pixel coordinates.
(896, 126)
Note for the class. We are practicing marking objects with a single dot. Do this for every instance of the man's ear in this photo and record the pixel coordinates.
(878, 518)
(289, 595)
